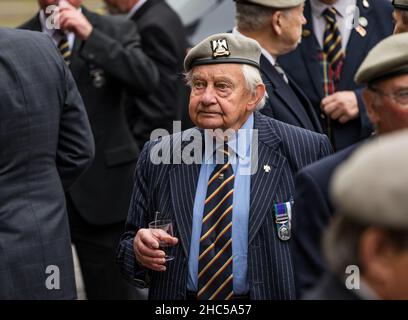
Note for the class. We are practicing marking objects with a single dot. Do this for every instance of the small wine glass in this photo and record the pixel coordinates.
(166, 226)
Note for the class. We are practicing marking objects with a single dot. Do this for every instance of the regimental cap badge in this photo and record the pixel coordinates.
(220, 48)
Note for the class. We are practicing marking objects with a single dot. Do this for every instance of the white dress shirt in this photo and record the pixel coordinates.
(319, 22)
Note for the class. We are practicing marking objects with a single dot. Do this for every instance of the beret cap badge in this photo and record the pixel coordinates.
(220, 48)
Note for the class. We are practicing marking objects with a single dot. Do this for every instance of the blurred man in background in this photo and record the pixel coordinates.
(106, 59)
(164, 41)
(336, 39)
(400, 15)
(277, 26)
(366, 245)
(46, 143)
(385, 73)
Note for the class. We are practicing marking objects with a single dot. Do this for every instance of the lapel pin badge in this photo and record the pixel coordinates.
(306, 33)
(363, 22)
(267, 168)
(362, 32)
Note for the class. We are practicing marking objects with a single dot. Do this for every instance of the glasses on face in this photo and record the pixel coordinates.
(400, 97)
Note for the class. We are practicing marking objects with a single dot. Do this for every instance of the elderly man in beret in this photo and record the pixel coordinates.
(366, 245)
(230, 219)
(400, 15)
(277, 26)
(385, 73)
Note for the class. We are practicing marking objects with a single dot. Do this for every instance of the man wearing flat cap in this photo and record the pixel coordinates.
(231, 216)
(366, 245)
(385, 75)
(324, 64)
(400, 15)
(277, 26)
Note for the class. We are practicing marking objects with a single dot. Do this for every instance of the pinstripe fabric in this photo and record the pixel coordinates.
(170, 189)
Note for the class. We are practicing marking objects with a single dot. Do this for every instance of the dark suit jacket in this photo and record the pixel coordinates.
(170, 189)
(330, 288)
(45, 144)
(311, 216)
(164, 41)
(287, 102)
(303, 66)
(102, 195)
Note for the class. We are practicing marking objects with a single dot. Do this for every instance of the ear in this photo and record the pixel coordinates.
(276, 22)
(376, 257)
(256, 98)
(371, 107)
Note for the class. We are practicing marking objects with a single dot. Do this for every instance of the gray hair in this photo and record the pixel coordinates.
(252, 78)
(253, 18)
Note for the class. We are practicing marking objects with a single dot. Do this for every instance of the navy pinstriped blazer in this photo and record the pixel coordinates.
(170, 189)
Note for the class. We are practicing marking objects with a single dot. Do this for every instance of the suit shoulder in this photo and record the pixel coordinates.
(25, 39)
(325, 167)
(285, 130)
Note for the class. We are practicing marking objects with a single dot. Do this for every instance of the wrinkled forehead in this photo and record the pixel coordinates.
(224, 70)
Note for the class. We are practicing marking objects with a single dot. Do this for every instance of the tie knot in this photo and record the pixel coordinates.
(330, 14)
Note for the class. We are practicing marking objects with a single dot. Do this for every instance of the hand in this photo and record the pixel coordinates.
(72, 20)
(342, 106)
(146, 247)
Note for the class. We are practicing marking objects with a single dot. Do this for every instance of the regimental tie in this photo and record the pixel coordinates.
(333, 56)
(63, 46)
(215, 278)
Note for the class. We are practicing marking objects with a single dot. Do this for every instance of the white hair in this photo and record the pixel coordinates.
(252, 78)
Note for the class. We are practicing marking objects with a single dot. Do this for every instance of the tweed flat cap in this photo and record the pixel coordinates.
(272, 3)
(400, 4)
(372, 185)
(387, 59)
(224, 48)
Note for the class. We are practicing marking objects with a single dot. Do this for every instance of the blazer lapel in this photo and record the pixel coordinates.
(283, 91)
(183, 183)
(264, 183)
(357, 47)
(309, 52)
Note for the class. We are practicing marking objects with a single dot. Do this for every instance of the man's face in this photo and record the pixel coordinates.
(385, 112)
(400, 26)
(45, 3)
(219, 97)
(120, 6)
(292, 23)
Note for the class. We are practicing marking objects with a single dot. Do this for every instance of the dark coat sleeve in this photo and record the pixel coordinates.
(122, 56)
(311, 215)
(76, 147)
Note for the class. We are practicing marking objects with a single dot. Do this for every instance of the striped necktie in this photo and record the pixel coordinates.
(332, 49)
(215, 260)
(333, 59)
(63, 46)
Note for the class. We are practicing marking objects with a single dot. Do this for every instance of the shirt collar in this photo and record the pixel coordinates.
(136, 7)
(240, 146)
(318, 7)
(266, 54)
